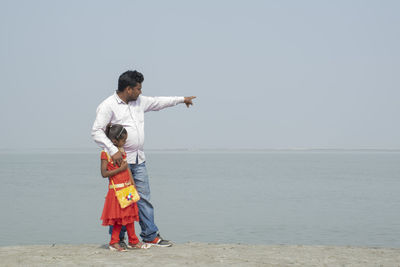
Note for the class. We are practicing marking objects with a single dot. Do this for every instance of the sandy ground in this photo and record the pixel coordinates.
(199, 254)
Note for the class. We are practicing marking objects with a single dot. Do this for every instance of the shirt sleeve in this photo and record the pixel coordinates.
(160, 102)
(103, 117)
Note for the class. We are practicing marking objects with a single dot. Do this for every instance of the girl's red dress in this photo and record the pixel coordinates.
(112, 211)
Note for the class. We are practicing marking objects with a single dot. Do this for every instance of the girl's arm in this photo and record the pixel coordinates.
(108, 173)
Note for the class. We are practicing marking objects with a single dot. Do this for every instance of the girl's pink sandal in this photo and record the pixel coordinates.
(139, 245)
(116, 247)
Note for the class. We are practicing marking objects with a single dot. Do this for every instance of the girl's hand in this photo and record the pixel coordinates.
(124, 165)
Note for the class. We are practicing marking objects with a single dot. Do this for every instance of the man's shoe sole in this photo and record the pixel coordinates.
(158, 245)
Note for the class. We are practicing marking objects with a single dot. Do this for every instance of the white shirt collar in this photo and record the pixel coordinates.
(119, 100)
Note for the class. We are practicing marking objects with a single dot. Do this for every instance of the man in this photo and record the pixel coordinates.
(127, 107)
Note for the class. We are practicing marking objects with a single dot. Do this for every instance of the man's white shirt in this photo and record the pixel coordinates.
(131, 116)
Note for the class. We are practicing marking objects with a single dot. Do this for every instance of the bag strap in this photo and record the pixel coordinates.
(108, 156)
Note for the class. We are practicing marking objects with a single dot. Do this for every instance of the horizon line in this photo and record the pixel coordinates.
(208, 149)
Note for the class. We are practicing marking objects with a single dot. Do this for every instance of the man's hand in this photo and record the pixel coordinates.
(188, 100)
(117, 158)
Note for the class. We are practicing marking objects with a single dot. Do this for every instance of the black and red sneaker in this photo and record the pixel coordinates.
(159, 242)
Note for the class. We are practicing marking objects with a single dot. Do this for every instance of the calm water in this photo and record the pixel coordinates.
(311, 198)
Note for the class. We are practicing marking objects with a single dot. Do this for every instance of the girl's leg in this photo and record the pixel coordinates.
(121, 234)
(115, 233)
(133, 239)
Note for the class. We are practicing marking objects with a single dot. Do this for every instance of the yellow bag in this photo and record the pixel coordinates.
(126, 196)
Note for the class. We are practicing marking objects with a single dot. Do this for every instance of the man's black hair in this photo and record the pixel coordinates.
(129, 78)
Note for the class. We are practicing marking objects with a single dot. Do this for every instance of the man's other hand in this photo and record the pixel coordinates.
(188, 100)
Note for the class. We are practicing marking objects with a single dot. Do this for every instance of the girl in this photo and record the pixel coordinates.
(113, 214)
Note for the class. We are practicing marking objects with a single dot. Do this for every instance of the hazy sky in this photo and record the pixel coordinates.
(267, 74)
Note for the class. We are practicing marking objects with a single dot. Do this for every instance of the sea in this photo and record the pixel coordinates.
(289, 197)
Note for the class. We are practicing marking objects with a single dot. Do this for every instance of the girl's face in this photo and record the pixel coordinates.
(121, 142)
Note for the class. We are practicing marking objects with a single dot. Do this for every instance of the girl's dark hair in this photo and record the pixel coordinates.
(129, 78)
(115, 131)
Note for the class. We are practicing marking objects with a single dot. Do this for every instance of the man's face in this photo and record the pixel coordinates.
(134, 92)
